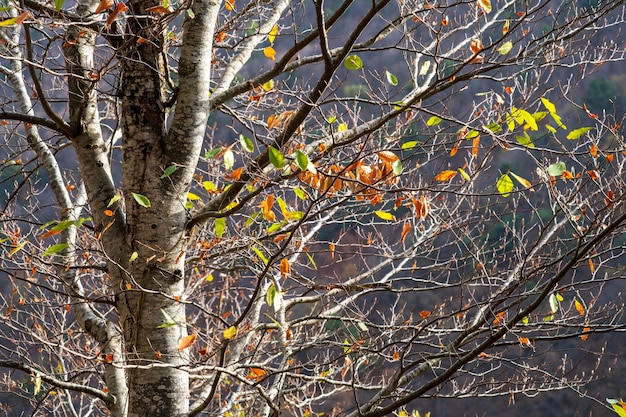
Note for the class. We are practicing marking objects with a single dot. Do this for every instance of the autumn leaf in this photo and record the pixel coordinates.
(593, 151)
(235, 175)
(272, 35)
(230, 5)
(499, 317)
(186, 341)
(406, 228)
(593, 174)
(285, 268)
(266, 206)
(230, 332)
(579, 307)
(424, 314)
(523, 181)
(385, 215)
(160, 9)
(524, 341)
(446, 175)
(585, 336)
(476, 46)
(485, 5)
(270, 53)
(421, 207)
(257, 374)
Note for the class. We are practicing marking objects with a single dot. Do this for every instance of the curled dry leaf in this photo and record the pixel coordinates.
(476, 46)
(186, 341)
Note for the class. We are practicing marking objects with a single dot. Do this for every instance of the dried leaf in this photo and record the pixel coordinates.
(485, 5)
(446, 175)
(406, 228)
(476, 46)
(424, 314)
(186, 341)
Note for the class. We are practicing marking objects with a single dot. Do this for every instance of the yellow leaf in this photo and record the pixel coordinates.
(342, 127)
(522, 181)
(272, 35)
(192, 197)
(268, 85)
(446, 175)
(230, 5)
(385, 216)
(485, 5)
(230, 332)
(579, 307)
(270, 53)
(186, 341)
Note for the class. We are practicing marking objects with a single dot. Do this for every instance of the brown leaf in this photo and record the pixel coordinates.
(104, 5)
(476, 46)
(186, 341)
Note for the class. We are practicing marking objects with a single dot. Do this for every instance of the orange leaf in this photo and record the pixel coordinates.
(455, 149)
(610, 157)
(230, 5)
(235, 175)
(387, 156)
(446, 175)
(593, 150)
(485, 5)
(567, 175)
(579, 307)
(585, 336)
(104, 5)
(475, 144)
(266, 206)
(160, 9)
(49, 233)
(499, 318)
(610, 197)
(186, 341)
(476, 46)
(421, 208)
(280, 238)
(592, 267)
(424, 314)
(270, 53)
(257, 374)
(405, 231)
(219, 38)
(285, 268)
(121, 7)
(395, 356)
(108, 358)
(108, 213)
(20, 19)
(331, 248)
(525, 341)
(273, 121)
(593, 174)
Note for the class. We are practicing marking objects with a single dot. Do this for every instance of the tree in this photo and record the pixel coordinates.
(312, 241)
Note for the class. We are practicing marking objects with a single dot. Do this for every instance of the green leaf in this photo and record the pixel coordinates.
(219, 226)
(260, 254)
(464, 174)
(169, 171)
(246, 143)
(142, 200)
(557, 169)
(472, 134)
(276, 158)
(212, 153)
(397, 167)
(308, 255)
(58, 4)
(302, 160)
(576, 133)
(385, 215)
(391, 79)
(618, 406)
(191, 14)
(353, 62)
(525, 140)
(229, 159)
(273, 297)
(63, 225)
(300, 193)
(554, 303)
(113, 200)
(169, 321)
(494, 127)
(504, 185)
(409, 145)
(55, 249)
(525, 320)
(133, 257)
(505, 48)
(549, 318)
(433, 121)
